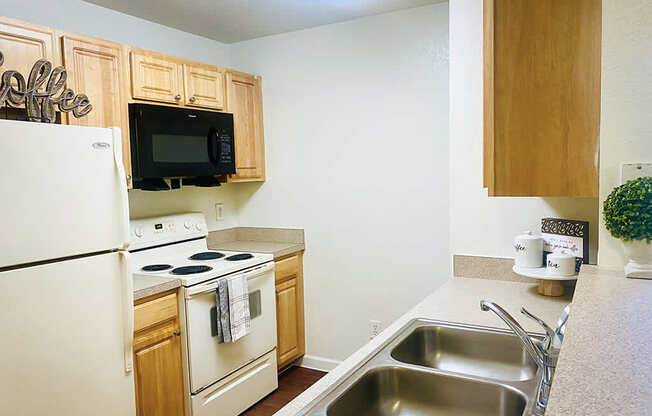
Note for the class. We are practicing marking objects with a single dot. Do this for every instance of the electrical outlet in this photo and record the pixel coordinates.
(374, 328)
(634, 170)
(219, 211)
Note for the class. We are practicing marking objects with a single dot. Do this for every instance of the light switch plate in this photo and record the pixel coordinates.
(633, 170)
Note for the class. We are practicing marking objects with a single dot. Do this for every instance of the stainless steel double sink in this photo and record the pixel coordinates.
(439, 369)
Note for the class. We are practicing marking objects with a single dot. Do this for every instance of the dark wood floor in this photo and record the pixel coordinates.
(290, 384)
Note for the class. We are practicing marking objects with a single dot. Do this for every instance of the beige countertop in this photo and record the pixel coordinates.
(605, 365)
(148, 286)
(276, 241)
(278, 249)
(458, 300)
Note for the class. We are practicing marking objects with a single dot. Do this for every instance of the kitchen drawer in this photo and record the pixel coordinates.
(286, 268)
(154, 311)
(234, 394)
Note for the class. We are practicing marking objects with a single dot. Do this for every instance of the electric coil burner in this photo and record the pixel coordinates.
(206, 255)
(191, 269)
(156, 267)
(237, 257)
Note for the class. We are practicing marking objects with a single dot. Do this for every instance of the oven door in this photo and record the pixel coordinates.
(209, 361)
(175, 142)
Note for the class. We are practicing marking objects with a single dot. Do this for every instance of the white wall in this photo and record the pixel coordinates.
(626, 122)
(481, 225)
(356, 119)
(89, 19)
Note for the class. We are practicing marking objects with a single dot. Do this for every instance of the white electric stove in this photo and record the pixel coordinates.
(225, 378)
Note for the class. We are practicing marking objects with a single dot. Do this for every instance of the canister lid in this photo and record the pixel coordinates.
(527, 235)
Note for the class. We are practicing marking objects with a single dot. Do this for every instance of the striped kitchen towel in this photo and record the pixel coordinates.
(240, 320)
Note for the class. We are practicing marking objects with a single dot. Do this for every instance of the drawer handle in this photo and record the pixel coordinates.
(177, 333)
(177, 97)
(193, 99)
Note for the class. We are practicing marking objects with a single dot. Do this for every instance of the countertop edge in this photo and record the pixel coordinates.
(255, 247)
(156, 289)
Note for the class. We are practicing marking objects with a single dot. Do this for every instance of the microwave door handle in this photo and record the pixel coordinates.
(212, 145)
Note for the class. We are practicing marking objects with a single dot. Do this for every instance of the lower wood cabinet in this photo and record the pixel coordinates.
(157, 357)
(289, 309)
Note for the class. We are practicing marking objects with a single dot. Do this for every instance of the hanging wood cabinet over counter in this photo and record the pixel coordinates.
(542, 66)
(113, 75)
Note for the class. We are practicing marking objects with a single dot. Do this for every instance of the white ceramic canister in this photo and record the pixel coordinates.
(560, 264)
(528, 250)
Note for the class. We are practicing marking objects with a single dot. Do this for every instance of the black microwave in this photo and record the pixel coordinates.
(170, 142)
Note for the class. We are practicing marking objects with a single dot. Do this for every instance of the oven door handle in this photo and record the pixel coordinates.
(212, 285)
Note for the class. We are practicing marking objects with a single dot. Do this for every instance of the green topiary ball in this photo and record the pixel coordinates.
(628, 210)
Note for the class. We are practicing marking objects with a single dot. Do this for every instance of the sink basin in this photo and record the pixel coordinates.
(474, 352)
(399, 391)
(437, 368)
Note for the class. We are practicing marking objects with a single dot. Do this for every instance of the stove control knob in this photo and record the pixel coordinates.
(139, 232)
(188, 225)
(199, 227)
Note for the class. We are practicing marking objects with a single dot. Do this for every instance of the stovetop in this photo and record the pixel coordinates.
(192, 262)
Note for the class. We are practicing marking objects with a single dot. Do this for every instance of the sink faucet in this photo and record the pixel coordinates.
(545, 353)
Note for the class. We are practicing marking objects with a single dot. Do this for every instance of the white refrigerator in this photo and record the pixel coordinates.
(66, 290)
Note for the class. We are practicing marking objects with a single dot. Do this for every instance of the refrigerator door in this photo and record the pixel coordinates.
(63, 339)
(64, 192)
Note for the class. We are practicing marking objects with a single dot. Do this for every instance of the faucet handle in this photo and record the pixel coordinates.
(549, 331)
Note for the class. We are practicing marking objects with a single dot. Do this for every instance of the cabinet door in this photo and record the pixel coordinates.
(22, 44)
(156, 78)
(97, 68)
(244, 100)
(158, 371)
(286, 321)
(289, 309)
(204, 87)
(542, 63)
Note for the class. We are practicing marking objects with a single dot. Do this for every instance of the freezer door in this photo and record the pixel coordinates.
(63, 339)
(63, 189)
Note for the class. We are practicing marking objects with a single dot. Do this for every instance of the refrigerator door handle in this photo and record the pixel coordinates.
(127, 309)
(122, 177)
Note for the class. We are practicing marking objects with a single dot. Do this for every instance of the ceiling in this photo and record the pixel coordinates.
(231, 21)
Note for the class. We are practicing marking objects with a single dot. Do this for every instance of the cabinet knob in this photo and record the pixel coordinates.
(193, 99)
(177, 97)
(128, 177)
(177, 333)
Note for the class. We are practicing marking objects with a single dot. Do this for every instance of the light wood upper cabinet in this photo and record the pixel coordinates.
(155, 77)
(204, 87)
(98, 69)
(244, 100)
(112, 75)
(289, 309)
(22, 44)
(542, 97)
(157, 358)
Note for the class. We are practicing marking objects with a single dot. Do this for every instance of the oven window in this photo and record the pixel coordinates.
(255, 307)
(167, 148)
